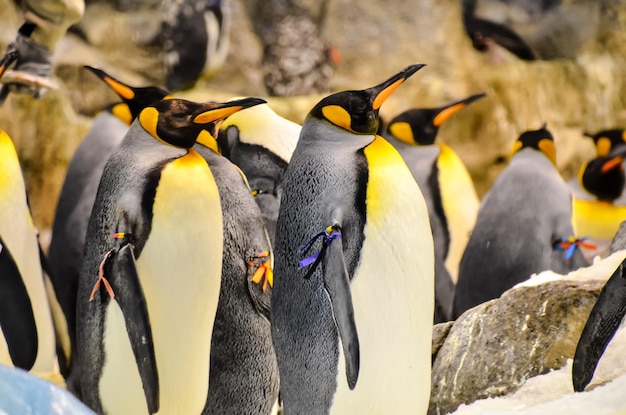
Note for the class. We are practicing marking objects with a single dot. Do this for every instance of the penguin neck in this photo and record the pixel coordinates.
(207, 140)
(316, 131)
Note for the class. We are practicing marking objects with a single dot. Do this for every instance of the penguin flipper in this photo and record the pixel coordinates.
(601, 325)
(129, 296)
(16, 313)
(337, 285)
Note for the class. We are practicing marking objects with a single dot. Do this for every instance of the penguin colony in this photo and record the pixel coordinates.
(216, 258)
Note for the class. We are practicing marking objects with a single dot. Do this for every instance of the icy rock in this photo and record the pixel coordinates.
(23, 393)
(533, 328)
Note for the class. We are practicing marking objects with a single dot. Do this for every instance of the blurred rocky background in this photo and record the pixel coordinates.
(306, 47)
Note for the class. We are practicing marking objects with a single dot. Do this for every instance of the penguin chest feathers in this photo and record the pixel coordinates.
(392, 291)
(179, 271)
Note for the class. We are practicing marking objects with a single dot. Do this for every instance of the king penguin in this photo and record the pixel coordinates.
(605, 318)
(260, 142)
(522, 222)
(352, 323)
(244, 372)
(151, 276)
(27, 330)
(598, 217)
(80, 187)
(28, 338)
(447, 187)
(606, 142)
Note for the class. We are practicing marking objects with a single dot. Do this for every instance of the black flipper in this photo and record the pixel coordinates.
(600, 328)
(16, 313)
(337, 285)
(122, 275)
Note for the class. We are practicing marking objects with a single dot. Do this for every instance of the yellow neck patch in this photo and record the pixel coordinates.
(206, 139)
(548, 148)
(447, 113)
(403, 132)
(338, 116)
(122, 112)
(603, 147)
(149, 118)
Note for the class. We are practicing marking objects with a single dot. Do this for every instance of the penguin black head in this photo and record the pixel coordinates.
(419, 126)
(540, 139)
(603, 177)
(357, 111)
(134, 99)
(180, 123)
(607, 140)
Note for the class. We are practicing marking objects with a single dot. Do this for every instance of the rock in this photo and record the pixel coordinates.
(23, 393)
(440, 333)
(533, 328)
(619, 240)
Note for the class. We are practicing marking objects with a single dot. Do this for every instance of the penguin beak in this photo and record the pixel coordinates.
(381, 92)
(7, 60)
(611, 164)
(453, 108)
(214, 112)
(120, 88)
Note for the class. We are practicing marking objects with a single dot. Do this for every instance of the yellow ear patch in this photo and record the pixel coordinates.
(385, 93)
(603, 146)
(206, 139)
(119, 88)
(149, 118)
(122, 112)
(215, 114)
(403, 132)
(548, 148)
(338, 116)
(446, 113)
(517, 146)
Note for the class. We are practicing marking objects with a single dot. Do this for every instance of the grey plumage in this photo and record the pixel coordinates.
(244, 373)
(528, 208)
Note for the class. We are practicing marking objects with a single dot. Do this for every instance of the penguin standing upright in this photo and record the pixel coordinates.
(81, 185)
(351, 323)
(447, 187)
(27, 332)
(260, 142)
(152, 269)
(28, 340)
(244, 373)
(521, 224)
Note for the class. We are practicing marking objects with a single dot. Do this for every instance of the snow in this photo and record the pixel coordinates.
(553, 393)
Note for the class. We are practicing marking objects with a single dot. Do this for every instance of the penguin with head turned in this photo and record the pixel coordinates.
(27, 332)
(152, 270)
(260, 142)
(244, 373)
(447, 187)
(80, 187)
(522, 224)
(353, 299)
(599, 216)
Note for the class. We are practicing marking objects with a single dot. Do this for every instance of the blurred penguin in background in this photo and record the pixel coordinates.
(447, 187)
(524, 226)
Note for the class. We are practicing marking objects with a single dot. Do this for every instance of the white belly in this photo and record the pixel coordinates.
(180, 273)
(393, 296)
(20, 237)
